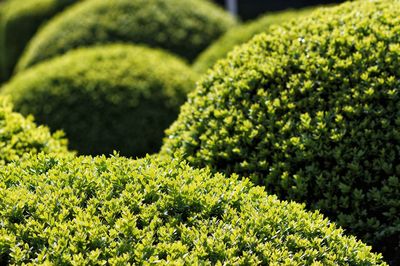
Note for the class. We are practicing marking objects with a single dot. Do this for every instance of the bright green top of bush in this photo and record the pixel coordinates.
(19, 20)
(181, 27)
(311, 111)
(118, 97)
(98, 211)
(20, 136)
(239, 35)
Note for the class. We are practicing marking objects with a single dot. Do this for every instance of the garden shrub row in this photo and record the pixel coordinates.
(181, 27)
(310, 111)
(97, 211)
(241, 34)
(19, 21)
(20, 136)
(116, 97)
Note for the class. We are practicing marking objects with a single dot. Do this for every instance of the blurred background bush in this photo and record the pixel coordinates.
(105, 98)
(22, 17)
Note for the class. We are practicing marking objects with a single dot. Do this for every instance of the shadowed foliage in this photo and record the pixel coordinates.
(19, 21)
(184, 28)
(118, 97)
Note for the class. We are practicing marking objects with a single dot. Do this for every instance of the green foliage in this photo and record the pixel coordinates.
(239, 35)
(116, 211)
(19, 20)
(113, 97)
(311, 111)
(184, 27)
(20, 135)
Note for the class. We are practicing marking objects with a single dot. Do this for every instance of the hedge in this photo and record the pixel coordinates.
(20, 136)
(311, 111)
(19, 20)
(184, 28)
(118, 97)
(242, 34)
(98, 211)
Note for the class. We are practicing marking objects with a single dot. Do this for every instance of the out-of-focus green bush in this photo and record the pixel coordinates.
(19, 20)
(118, 97)
(184, 27)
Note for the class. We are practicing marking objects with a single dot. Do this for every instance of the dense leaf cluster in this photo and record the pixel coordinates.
(181, 27)
(311, 111)
(20, 136)
(117, 97)
(98, 211)
(239, 35)
(19, 20)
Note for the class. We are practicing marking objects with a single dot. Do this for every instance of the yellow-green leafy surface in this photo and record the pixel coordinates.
(311, 111)
(20, 136)
(98, 211)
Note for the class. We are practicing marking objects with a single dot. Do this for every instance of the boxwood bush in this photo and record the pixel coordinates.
(119, 97)
(311, 111)
(181, 27)
(239, 35)
(20, 136)
(19, 20)
(98, 211)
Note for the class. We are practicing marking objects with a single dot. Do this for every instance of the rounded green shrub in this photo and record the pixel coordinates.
(239, 35)
(20, 136)
(119, 97)
(311, 111)
(116, 211)
(19, 20)
(184, 27)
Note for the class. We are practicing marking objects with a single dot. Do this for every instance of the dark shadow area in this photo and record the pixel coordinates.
(249, 9)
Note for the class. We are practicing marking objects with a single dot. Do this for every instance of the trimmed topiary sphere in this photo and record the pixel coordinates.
(20, 136)
(183, 27)
(114, 97)
(239, 35)
(116, 211)
(19, 20)
(311, 111)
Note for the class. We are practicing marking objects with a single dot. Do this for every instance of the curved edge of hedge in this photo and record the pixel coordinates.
(243, 33)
